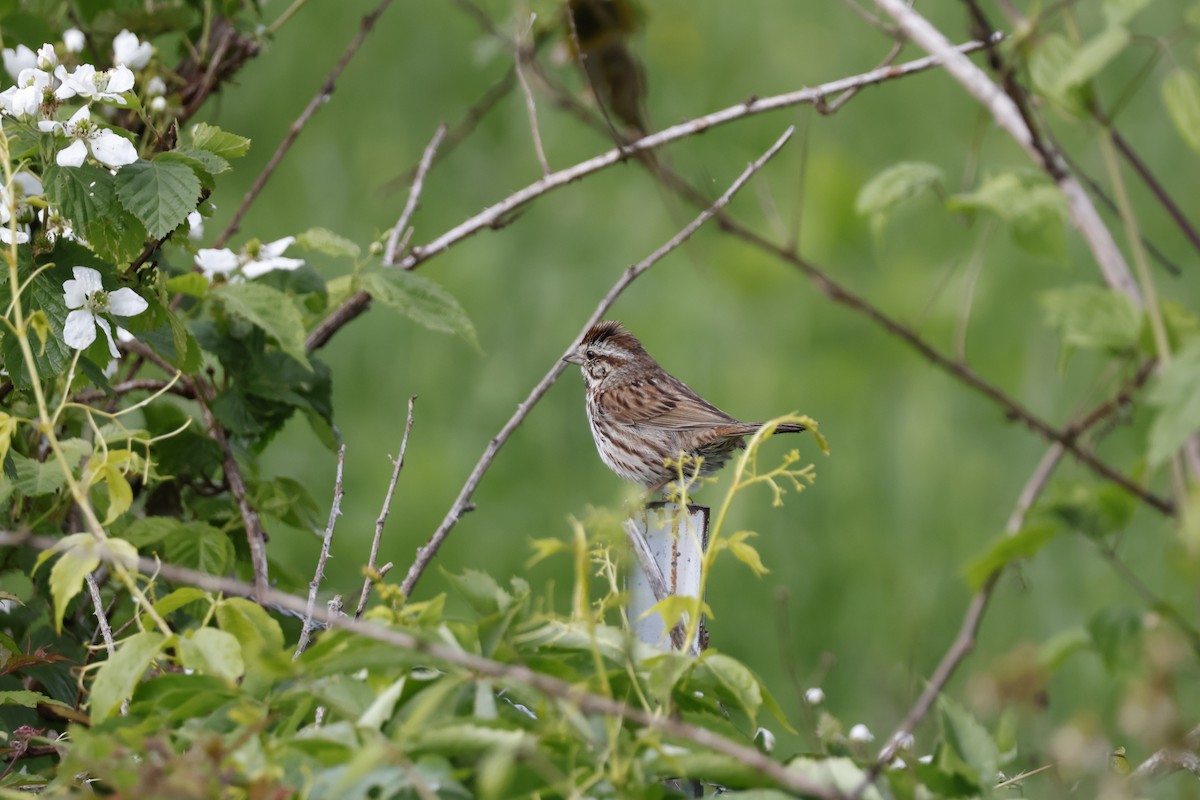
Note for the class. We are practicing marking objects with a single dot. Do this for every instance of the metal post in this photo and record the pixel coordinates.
(668, 547)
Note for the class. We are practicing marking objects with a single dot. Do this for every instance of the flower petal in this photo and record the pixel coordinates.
(112, 150)
(103, 325)
(265, 265)
(126, 303)
(216, 262)
(80, 329)
(275, 248)
(73, 155)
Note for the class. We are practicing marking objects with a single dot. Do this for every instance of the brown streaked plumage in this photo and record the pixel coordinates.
(640, 415)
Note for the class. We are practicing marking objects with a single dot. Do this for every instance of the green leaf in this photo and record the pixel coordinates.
(210, 162)
(200, 546)
(839, 774)
(269, 309)
(83, 194)
(1034, 209)
(1181, 95)
(117, 236)
(120, 674)
(328, 242)
(970, 741)
(422, 301)
(894, 185)
(185, 595)
(35, 478)
(1092, 57)
(261, 640)
(78, 560)
(150, 530)
(1116, 633)
(160, 193)
(1122, 12)
(219, 142)
(1176, 393)
(746, 553)
(1007, 548)
(481, 591)
(737, 681)
(24, 699)
(193, 284)
(1092, 317)
(210, 651)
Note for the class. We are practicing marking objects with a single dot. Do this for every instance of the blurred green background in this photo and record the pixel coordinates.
(866, 589)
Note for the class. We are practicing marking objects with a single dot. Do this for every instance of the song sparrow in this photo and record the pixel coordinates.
(641, 416)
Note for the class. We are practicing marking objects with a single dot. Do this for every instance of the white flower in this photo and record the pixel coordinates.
(768, 739)
(255, 259)
(861, 733)
(89, 84)
(74, 40)
(156, 87)
(85, 294)
(158, 103)
(46, 57)
(107, 147)
(25, 99)
(16, 60)
(130, 51)
(269, 257)
(25, 185)
(216, 262)
(814, 696)
(195, 226)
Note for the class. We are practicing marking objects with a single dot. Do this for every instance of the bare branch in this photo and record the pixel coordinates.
(318, 100)
(495, 214)
(314, 586)
(101, 616)
(1171, 759)
(136, 385)
(1009, 116)
(397, 465)
(520, 55)
(570, 694)
(414, 194)
(461, 504)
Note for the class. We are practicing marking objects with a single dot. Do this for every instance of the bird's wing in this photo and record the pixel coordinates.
(663, 402)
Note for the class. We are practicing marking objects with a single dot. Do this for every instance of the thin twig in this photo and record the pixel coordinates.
(397, 465)
(519, 57)
(494, 215)
(318, 100)
(426, 553)
(256, 536)
(561, 690)
(136, 385)
(101, 617)
(414, 194)
(1009, 115)
(314, 586)
(1171, 759)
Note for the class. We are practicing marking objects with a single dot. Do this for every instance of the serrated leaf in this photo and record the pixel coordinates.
(36, 478)
(1034, 210)
(83, 194)
(422, 301)
(1176, 393)
(210, 651)
(160, 193)
(212, 163)
(970, 741)
(1181, 95)
(328, 242)
(269, 309)
(1007, 548)
(120, 674)
(199, 546)
(117, 236)
(894, 185)
(481, 590)
(1092, 317)
(219, 142)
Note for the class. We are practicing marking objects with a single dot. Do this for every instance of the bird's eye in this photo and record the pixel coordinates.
(590, 354)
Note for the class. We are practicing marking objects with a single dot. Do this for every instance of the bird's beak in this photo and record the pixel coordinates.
(574, 358)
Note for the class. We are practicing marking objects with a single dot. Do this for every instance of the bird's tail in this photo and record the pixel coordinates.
(788, 427)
